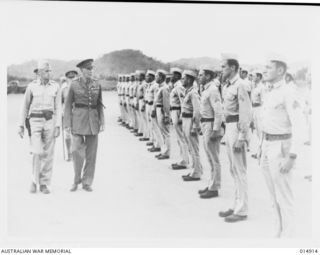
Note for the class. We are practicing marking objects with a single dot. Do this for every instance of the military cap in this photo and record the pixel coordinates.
(169, 75)
(151, 72)
(36, 71)
(43, 64)
(71, 72)
(132, 74)
(139, 72)
(277, 57)
(87, 63)
(128, 76)
(225, 56)
(190, 73)
(161, 71)
(175, 70)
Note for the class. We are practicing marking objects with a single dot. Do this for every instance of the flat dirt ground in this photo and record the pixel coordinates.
(135, 197)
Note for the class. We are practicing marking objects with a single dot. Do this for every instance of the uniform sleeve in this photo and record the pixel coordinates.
(294, 110)
(195, 99)
(166, 101)
(245, 110)
(68, 108)
(180, 92)
(58, 107)
(215, 102)
(26, 105)
(100, 107)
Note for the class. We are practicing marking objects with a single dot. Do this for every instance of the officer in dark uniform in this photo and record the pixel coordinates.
(83, 115)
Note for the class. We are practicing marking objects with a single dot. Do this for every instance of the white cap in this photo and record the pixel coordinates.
(139, 72)
(151, 72)
(161, 71)
(225, 56)
(277, 57)
(43, 64)
(175, 69)
(190, 73)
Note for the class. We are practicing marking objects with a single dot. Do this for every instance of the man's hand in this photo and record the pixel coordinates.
(239, 145)
(166, 120)
(21, 131)
(153, 114)
(214, 135)
(287, 165)
(56, 132)
(101, 127)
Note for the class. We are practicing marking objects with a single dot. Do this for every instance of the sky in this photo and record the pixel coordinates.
(167, 32)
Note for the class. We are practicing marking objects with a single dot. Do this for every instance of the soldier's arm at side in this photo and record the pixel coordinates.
(244, 112)
(58, 107)
(294, 109)
(100, 107)
(25, 106)
(195, 99)
(68, 108)
(166, 101)
(215, 101)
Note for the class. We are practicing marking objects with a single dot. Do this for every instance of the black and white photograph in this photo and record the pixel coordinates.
(159, 125)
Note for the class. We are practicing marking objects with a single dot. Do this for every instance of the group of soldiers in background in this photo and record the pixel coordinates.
(221, 104)
(77, 107)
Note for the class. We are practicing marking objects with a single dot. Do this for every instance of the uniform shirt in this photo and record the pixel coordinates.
(162, 98)
(84, 120)
(39, 97)
(141, 90)
(247, 85)
(152, 91)
(236, 101)
(177, 94)
(257, 93)
(211, 106)
(191, 104)
(281, 112)
(147, 92)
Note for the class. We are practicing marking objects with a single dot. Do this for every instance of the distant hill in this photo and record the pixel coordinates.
(124, 61)
(196, 63)
(111, 64)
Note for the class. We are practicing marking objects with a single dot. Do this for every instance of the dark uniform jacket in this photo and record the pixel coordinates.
(83, 111)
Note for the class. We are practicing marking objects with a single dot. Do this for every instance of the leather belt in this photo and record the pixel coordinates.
(172, 108)
(159, 106)
(45, 114)
(270, 137)
(256, 104)
(130, 97)
(187, 115)
(207, 120)
(141, 97)
(232, 118)
(150, 103)
(85, 106)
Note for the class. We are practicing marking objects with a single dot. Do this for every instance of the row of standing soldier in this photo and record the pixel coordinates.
(150, 101)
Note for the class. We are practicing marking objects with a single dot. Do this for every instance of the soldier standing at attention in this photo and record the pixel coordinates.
(281, 114)
(191, 123)
(70, 75)
(176, 98)
(84, 116)
(211, 120)
(42, 103)
(237, 107)
(163, 114)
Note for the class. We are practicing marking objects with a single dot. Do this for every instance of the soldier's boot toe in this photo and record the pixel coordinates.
(74, 187)
(33, 188)
(87, 188)
(44, 189)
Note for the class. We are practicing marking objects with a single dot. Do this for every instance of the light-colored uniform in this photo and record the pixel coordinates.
(281, 114)
(163, 112)
(141, 105)
(149, 102)
(155, 126)
(191, 122)
(37, 99)
(127, 97)
(211, 112)
(237, 108)
(176, 98)
(257, 94)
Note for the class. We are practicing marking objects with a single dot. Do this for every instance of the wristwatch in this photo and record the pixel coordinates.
(292, 155)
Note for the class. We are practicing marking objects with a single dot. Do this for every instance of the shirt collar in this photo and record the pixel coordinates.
(207, 85)
(234, 79)
(278, 84)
